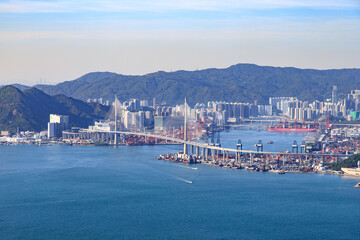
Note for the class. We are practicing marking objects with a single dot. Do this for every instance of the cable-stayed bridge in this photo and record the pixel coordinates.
(191, 147)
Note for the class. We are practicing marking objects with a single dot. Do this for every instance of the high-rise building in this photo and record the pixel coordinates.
(57, 124)
(154, 102)
(134, 120)
(334, 95)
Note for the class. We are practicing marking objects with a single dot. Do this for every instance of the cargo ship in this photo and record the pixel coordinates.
(289, 129)
(294, 127)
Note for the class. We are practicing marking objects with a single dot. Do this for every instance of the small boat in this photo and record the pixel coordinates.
(270, 142)
(189, 182)
(357, 185)
(281, 172)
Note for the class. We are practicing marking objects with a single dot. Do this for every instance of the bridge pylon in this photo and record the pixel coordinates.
(185, 127)
(239, 145)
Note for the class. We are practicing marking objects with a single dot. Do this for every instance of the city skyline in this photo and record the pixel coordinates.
(57, 41)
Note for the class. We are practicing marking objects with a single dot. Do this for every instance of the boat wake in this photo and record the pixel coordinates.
(184, 180)
(193, 168)
(168, 174)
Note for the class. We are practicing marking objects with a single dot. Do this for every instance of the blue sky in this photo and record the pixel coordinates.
(55, 41)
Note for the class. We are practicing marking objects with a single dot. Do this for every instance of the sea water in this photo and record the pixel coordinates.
(83, 192)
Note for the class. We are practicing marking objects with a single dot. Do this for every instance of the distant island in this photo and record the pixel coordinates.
(238, 83)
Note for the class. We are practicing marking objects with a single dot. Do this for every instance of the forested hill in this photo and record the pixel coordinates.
(30, 109)
(241, 82)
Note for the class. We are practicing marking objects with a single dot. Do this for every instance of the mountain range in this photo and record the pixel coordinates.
(238, 83)
(30, 109)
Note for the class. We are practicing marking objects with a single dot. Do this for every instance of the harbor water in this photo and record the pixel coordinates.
(80, 192)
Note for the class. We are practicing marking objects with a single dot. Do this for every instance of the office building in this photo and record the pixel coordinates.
(57, 124)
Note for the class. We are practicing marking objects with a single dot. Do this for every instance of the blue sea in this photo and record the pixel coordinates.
(82, 192)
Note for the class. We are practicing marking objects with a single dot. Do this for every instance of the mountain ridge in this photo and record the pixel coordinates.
(240, 82)
(30, 109)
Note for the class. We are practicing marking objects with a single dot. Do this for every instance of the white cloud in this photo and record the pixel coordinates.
(19, 6)
(241, 29)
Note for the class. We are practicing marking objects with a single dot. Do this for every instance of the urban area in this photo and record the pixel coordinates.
(136, 122)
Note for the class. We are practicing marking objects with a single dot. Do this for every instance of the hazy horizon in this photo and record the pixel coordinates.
(43, 82)
(47, 41)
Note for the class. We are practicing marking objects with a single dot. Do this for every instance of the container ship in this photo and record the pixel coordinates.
(294, 127)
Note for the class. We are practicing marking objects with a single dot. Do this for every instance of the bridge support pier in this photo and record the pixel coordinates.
(197, 151)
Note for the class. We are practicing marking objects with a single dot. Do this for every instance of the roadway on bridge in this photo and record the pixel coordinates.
(203, 145)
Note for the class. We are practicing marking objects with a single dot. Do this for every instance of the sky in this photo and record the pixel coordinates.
(52, 41)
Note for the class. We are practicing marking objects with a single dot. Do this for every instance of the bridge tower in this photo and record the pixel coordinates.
(212, 151)
(115, 106)
(185, 127)
(218, 144)
(239, 145)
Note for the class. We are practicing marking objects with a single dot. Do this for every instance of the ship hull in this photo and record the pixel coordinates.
(291, 129)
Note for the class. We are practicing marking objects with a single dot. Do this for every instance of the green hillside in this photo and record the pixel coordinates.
(241, 82)
(350, 162)
(30, 109)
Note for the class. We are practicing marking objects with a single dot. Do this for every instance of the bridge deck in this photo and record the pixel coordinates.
(202, 145)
